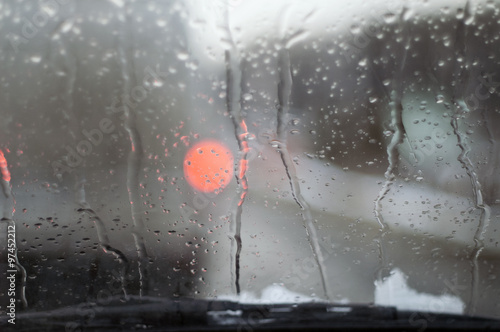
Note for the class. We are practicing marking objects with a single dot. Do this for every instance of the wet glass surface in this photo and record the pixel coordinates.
(251, 151)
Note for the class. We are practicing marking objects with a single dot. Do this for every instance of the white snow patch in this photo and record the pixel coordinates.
(394, 291)
(271, 294)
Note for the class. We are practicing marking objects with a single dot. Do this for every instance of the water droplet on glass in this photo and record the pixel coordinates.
(158, 83)
(389, 17)
(445, 10)
(36, 58)
(182, 56)
(355, 29)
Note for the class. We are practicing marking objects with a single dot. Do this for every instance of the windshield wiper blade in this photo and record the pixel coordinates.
(159, 314)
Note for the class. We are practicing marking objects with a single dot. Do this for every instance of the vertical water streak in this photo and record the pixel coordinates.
(284, 93)
(8, 205)
(136, 153)
(393, 158)
(233, 100)
(396, 109)
(102, 233)
(460, 78)
(479, 203)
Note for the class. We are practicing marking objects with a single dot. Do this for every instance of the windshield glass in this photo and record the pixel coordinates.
(250, 151)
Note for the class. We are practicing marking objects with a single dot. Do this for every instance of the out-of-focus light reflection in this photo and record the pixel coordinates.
(3, 167)
(208, 166)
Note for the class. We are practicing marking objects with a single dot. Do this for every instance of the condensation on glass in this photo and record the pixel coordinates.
(342, 152)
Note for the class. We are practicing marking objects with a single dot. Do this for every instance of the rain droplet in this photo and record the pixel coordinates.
(158, 83)
(355, 29)
(50, 10)
(36, 58)
(182, 56)
(67, 26)
(389, 17)
(363, 62)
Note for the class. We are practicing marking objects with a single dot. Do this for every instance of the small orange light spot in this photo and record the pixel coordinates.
(208, 166)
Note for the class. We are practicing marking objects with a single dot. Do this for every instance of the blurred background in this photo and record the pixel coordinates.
(367, 130)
